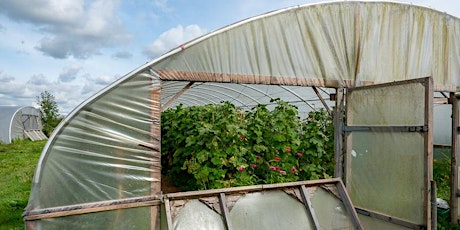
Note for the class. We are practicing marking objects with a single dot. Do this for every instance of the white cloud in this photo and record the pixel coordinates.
(5, 78)
(69, 74)
(172, 38)
(71, 27)
(43, 11)
(38, 79)
(122, 55)
(162, 5)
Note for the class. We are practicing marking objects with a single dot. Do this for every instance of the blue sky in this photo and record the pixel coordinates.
(74, 48)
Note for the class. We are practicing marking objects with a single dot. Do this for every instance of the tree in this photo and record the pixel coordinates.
(49, 112)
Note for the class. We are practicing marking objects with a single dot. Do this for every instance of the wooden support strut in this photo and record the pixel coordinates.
(322, 100)
(225, 212)
(348, 205)
(178, 94)
(387, 218)
(92, 207)
(169, 222)
(309, 207)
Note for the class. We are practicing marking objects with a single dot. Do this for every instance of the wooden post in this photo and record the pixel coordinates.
(338, 134)
(434, 206)
(428, 136)
(454, 163)
(155, 139)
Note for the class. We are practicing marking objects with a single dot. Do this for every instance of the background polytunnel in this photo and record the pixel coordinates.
(108, 148)
(20, 122)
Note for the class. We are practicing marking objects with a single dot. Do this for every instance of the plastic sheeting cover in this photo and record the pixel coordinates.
(386, 172)
(14, 120)
(196, 216)
(273, 209)
(383, 106)
(245, 96)
(269, 210)
(338, 44)
(376, 224)
(104, 152)
(133, 218)
(329, 209)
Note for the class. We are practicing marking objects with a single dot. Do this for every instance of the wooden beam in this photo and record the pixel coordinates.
(338, 133)
(178, 94)
(428, 145)
(440, 100)
(309, 207)
(390, 219)
(175, 75)
(225, 212)
(91, 207)
(155, 140)
(348, 205)
(169, 222)
(322, 100)
(252, 188)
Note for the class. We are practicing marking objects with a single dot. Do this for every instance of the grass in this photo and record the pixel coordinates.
(17, 165)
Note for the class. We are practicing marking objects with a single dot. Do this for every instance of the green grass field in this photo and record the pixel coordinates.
(17, 166)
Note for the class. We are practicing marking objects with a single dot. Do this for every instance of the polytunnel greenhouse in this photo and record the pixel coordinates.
(20, 122)
(381, 69)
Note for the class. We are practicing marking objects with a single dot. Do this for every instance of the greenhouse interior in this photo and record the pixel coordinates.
(385, 74)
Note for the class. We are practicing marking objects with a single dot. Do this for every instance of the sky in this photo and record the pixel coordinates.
(74, 48)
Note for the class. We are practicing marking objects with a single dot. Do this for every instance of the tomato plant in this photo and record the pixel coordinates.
(219, 145)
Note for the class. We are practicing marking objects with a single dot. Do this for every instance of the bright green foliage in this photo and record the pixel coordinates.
(215, 146)
(49, 112)
(17, 166)
(441, 174)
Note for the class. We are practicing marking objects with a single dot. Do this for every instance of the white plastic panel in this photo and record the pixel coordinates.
(376, 224)
(103, 151)
(133, 218)
(269, 210)
(388, 155)
(196, 216)
(329, 209)
(387, 174)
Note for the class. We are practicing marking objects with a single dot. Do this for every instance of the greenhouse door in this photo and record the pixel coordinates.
(389, 153)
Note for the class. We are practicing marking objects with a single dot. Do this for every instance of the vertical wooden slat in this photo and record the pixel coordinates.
(308, 205)
(454, 161)
(434, 206)
(225, 212)
(338, 134)
(155, 134)
(428, 175)
(169, 222)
